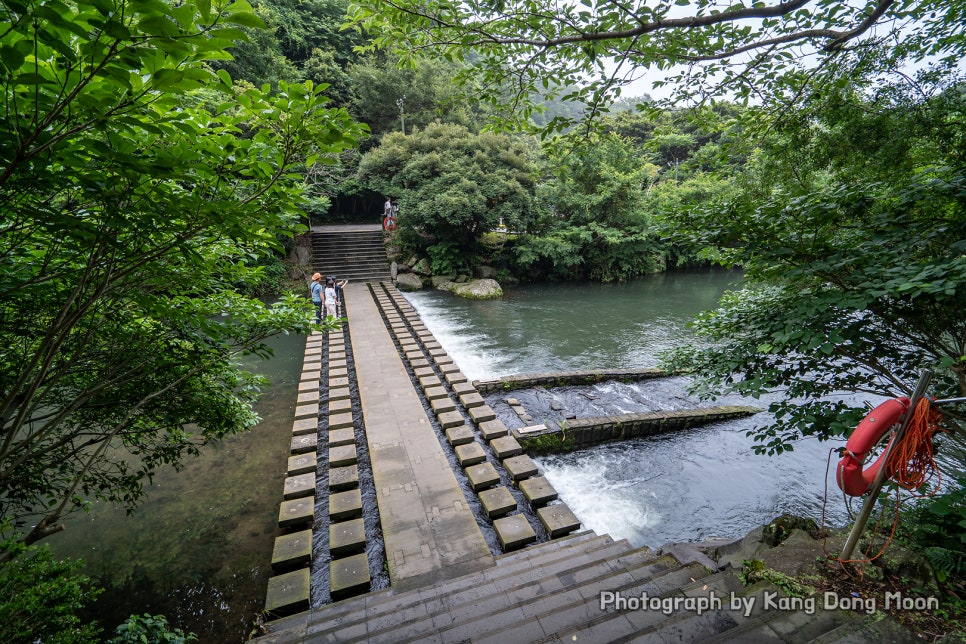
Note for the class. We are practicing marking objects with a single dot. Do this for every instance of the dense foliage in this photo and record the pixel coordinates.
(131, 204)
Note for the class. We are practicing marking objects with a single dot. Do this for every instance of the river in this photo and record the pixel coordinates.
(702, 483)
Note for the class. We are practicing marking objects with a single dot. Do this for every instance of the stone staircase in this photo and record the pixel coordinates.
(552, 592)
(356, 253)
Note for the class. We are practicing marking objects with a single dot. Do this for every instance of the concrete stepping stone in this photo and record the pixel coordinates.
(308, 397)
(415, 354)
(442, 359)
(338, 421)
(296, 487)
(288, 593)
(497, 502)
(459, 435)
(296, 512)
(343, 455)
(520, 467)
(472, 400)
(452, 377)
(430, 381)
(432, 393)
(305, 426)
(343, 478)
(337, 363)
(314, 374)
(309, 385)
(313, 350)
(449, 419)
(340, 393)
(349, 576)
(538, 491)
(307, 410)
(292, 550)
(482, 476)
(504, 447)
(347, 537)
(423, 372)
(345, 505)
(442, 405)
(339, 406)
(301, 464)
(514, 532)
(340, 437)
(335, 374)
(336, 383)
(558, 519)
(304, 443)
(461, 388)
(419, 363)
(470, 454)
(481, 414)
(491, 429)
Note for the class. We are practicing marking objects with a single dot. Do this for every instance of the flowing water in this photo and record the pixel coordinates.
(199, 548)
(701, 483)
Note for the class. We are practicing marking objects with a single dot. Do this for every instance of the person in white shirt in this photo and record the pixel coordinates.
(330, 299)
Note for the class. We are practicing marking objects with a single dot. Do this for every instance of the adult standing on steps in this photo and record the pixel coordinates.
(387, 208)
(317, 295)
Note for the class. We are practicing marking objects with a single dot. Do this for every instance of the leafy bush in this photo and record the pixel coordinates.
(150, 629)
(446, 258)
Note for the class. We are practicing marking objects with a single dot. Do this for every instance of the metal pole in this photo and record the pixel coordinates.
(880, 477)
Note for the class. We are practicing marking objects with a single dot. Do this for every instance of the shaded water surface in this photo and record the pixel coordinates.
(199, 549)
(701, 483)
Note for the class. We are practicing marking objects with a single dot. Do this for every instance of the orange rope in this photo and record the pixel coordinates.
(911, 463)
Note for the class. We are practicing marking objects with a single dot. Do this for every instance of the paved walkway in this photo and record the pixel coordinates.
(430, 532)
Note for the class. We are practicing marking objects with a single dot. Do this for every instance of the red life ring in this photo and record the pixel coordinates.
(389, 223)
(849, 474)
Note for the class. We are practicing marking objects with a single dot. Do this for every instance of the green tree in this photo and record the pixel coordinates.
(589, 50)
(131, 203)
(856, 263)
(454, 185)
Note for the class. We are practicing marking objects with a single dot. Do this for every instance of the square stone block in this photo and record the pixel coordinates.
(339, 406)
(470, 454)
(558, 519)
(514, 532)
(343, 478)
(414, 354)
(433, 344)
(313, 374)
(538, 490)
(301, 464)
(459, 435)
(429, 382)
(336, 383)
(433, 393)
(453, 377)
(505, 446)
(304, 443)
(482, 476)
(347, 537)
(313, 350)
(520, 467)
(296, 512)
(308, 397)
(345, 505)
(449, 419)
(296, 487)
(497, 502)
(305, 426)
(292, 550)
(450, 368)
(440, 405)
(309, 385)
(349, 576)
(338, 421)
(423, 372)
(472, 400)
(481, 414)
(419, 363)
(339, 393)
(461, 388)
(344, 436)
(337, 363)
(491, 429)
(343, 455)
(442, 359)
(435, 350)
(307, 410)
(288, 593)
(338, 373)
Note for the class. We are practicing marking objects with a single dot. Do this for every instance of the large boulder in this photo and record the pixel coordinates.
(422, 267)
(408, 282)
(479, 290)
(440, 279)
(394, 270)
